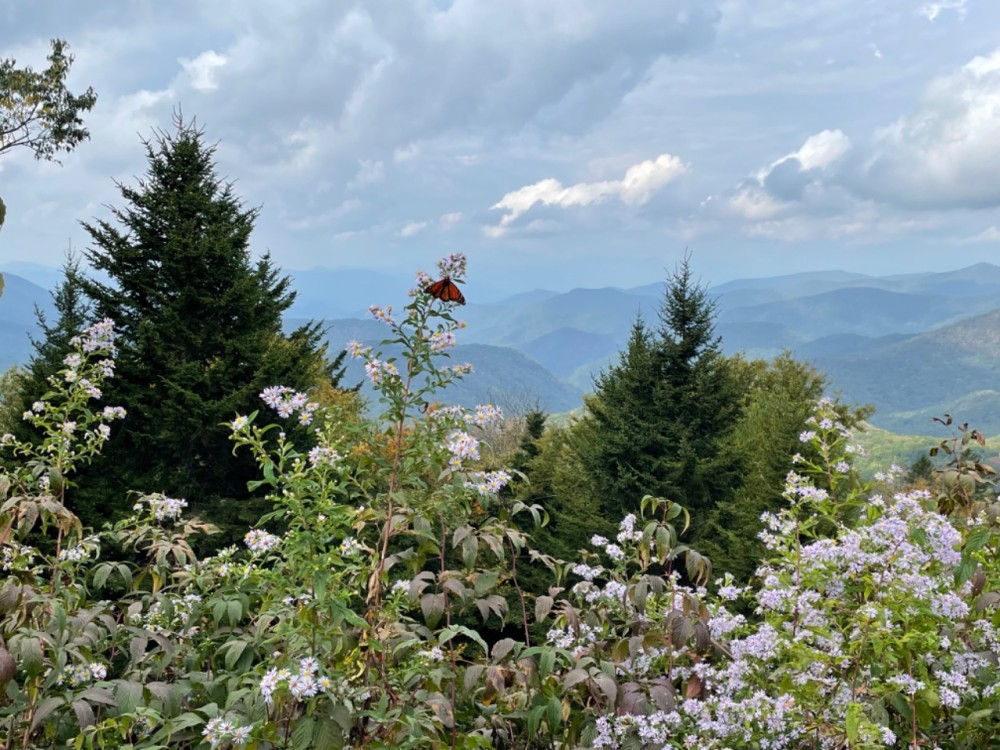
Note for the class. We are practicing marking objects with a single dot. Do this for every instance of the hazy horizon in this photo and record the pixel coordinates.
(558, 144)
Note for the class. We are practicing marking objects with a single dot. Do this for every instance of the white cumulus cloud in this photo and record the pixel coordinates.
(637, 186)
(202, 70)
(946, 153)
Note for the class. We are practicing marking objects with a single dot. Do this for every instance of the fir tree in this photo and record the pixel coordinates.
(658, 420)
(199, 325)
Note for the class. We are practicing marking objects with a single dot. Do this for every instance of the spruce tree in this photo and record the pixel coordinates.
(658, 420)
(199, 326)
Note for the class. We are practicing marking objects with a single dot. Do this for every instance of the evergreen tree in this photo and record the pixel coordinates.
(199, 329)
(658, 421)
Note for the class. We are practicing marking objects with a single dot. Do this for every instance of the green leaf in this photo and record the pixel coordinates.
(965, 570)
(853, 721)
(554, 713)
(432, 606)
(448, 633)
(128, 695)
(235, 611)
(234, 650)
(977, 539)
(101, 574)
(327, 735)
(302, 733)
(546, 663)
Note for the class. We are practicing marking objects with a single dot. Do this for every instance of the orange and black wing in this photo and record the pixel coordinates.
(446, 290)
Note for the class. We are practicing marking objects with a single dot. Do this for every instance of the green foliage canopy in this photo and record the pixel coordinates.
(658, 420)
(200, 325)
(37, 111)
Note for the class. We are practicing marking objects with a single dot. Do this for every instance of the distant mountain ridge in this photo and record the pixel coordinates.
(908, 343)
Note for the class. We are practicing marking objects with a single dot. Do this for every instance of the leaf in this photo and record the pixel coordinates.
(30, 651)
(546, 662)
(977, 539)
(554, 713)
(101, 574)
(575, 677)
(454, 630)
(128, 695)
(472, 675)
(543, 605)
(432, 606)
(99, 695)
(503, 647)
(327, 735)
(137, 648)
(234, 610)
(486, 580)
(45, 709)
(853, 721)
(234, 650)
(987, 600)
(84, 714)
(965, 570)
(608, 686)
(302, 734)
(470, 551)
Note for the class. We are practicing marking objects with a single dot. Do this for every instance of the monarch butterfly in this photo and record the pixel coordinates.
(446, 290)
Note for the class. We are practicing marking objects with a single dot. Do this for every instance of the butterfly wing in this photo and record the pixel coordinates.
(446, 290)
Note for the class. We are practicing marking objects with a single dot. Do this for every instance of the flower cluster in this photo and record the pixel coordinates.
(322, 455)
(350, 547)
(259, 541)
(82, 551)
(357, 350)
(462, 447)
(177, 617)
(98, 337)
(485, 414)
(286, 402)
(441, 340)
(378, 371)
(382, 314)
(79, 674)
(162, 507)
(304, 684)
(489, 483)
(219, 730)
(454, 266)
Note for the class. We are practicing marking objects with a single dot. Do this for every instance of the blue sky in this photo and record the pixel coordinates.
(559, 143)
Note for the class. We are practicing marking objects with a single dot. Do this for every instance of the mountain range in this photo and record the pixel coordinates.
(913, 345)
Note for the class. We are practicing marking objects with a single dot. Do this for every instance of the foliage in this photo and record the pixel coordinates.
(352, 625)
(658, 420)
(37, 111)
(778, 398)
(200, 333)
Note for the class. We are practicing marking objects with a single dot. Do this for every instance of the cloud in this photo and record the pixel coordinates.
(932, 10)
(203, 68)
(638, 185)
(777, 189)
(451, 219)
(989, 235)
(369, 172)
(946, 153)
(414, 227)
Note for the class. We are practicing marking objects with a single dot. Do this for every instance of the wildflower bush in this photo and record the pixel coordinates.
(356, 613)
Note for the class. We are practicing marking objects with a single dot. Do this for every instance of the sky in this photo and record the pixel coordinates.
(558, 143)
